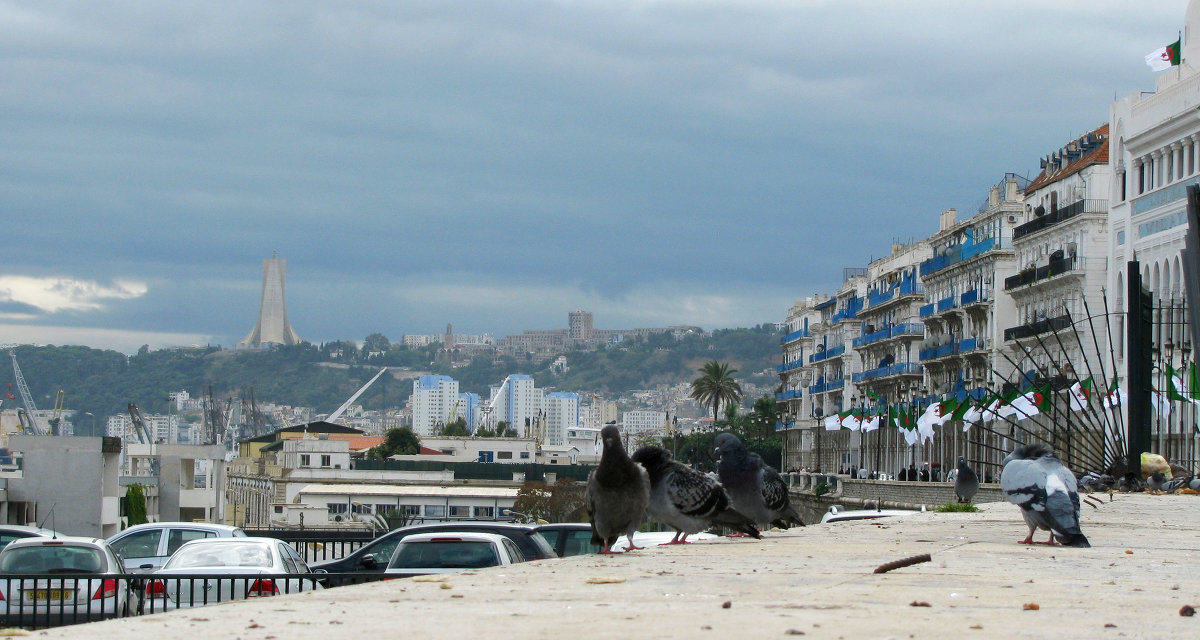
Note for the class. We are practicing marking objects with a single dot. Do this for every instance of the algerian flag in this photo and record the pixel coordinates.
(851, 421)
(946, 410)
(1164, 57)
(833, 422)
(932, 416)
(997, 405)
(961, 410)
(1080, 392)
(1176, 389)
(1193, 382)
(911, 436)
(1114, 398)
(870, 424)
(1027, 405)
(1161, 403)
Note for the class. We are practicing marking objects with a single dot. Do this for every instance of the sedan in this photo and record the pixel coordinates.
(215, 570)
(569, 538)
(428, 553)
(374, 556)
(146, 547)
(10, 532)
(90, 585)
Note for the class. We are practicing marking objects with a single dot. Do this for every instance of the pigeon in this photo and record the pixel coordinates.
(618, 490)
(1092, 481)
(755, 488)
(1036, 480)
(1155, 481)
(687, 500)
(1171, 486)
(966, 484)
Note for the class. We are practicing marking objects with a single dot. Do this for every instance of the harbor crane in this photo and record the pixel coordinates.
(26, 398)
(139, 424)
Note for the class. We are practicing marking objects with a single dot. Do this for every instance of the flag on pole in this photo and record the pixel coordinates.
(833, 422)
(851, 421)
(1161, 403)
(1115, 396)
(1080, 392)
(1176, 388)
(870, 424)
(1026, 405)
(946, 409)
(1164, 57)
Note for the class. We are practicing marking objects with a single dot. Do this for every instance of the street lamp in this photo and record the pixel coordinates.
(89, 413)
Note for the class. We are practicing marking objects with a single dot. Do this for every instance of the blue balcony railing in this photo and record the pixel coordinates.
(938, 352)
(827, 354)
(790, 394)
(957, 254)
(890, 370)
(969, 297)
(907, 328)
(822, 387)
(789, 366)
(927, 310)
(796, 335)
(972, 344)
(946, 303)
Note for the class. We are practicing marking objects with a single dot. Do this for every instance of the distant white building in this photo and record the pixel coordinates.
(636, 423)
(163, 429)
(434, 399)
(516, 401)
(561, 414)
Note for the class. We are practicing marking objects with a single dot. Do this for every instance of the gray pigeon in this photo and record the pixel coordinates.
(1036, 480)
(755, 488)
(618, 490)
(685, 499)
(1155, 481)
(966, 483)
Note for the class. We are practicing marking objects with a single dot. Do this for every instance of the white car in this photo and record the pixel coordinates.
(838, 513)
(215, 570)
(146, 547)
(447, 552)
(655, 538)
(74, 597)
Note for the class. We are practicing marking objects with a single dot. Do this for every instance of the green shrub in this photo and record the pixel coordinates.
(956, 507)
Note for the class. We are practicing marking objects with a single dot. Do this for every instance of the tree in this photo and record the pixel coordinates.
(716, 387)
(376, 342)
(396, 442)
(561, 502)
(456, 428)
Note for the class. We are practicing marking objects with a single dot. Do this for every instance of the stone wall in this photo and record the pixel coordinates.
(886, 494)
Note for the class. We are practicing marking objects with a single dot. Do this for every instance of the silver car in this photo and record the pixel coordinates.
(90, 588)
(146, 547)
(427, 553)
(215, 570)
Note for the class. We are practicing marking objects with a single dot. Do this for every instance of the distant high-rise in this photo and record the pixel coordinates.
(272, 326)
(579, 324)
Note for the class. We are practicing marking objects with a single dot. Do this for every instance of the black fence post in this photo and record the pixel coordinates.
(1140, 366)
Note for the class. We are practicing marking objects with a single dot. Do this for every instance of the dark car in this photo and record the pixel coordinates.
(374, 556)
(569, 538)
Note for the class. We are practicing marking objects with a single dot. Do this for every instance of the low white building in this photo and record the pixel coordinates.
(511, 450)
(349, 503)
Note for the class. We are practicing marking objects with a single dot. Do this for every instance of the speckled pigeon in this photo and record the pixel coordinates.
(755, 488)
(685, 499)
(1036, 480)
(966, 483)
(618, 490)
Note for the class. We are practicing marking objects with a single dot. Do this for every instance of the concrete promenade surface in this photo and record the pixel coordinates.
(817, 582)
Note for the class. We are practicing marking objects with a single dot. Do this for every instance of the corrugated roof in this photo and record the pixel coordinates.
(1099, 155)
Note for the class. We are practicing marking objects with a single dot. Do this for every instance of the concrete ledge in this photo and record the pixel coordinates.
(817, 581)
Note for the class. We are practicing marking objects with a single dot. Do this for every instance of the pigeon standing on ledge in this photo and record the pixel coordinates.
(1036, 480)
(618, 490)
(755, 488)
(966, 483)
(687, 500)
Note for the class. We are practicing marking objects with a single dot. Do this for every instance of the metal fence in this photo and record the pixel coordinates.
(39, 601)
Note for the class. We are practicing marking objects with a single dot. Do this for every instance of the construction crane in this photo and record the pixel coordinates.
(26, 398)
(139, 424)
(56, 419)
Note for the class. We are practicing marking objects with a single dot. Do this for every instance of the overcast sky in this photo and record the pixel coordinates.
(496, 165)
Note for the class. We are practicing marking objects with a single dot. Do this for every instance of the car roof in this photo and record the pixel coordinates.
(471, 524)
(76, 541)
(466, 536)
(189, 525)
(220, 541)
(24, 528)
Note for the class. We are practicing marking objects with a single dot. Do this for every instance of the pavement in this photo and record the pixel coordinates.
(817, 582)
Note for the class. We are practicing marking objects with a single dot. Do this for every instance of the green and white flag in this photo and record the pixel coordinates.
(1080, 392)
(1164, 57)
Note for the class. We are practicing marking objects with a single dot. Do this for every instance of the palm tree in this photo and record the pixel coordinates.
(716, 387)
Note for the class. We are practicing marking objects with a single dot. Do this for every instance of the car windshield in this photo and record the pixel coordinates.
(229, 554)
(52, 559)
(444, 555)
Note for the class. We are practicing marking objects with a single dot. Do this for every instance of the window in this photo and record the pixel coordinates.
(360, 508)
(460, 512)
(411, 509)
(337, 508)
(435, 511)
(553, 460)
(524, 455)
(326, 461)
(504, 455)
(485, 456)
(143, 544)
(484, 512)
(176, 537)
(278, 508)
(305, 460)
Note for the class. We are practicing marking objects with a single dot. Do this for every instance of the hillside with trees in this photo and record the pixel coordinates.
(101, 382)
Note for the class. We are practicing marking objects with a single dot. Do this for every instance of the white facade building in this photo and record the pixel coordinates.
(561, 411)
(516, 401)
(644, 422)
(434, 400)
(163, 429)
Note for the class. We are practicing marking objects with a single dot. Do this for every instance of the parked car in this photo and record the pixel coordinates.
(146, 547)
(654, 538)
(375, 555)
(838, 513)
(449, 551)
(569, 538)
(50, 601)
(232, 568)
(10, 532)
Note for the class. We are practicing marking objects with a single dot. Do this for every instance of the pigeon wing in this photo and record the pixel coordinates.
(1024, 483)
(694, 493)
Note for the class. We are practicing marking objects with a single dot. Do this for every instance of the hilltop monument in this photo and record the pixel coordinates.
(272, 326)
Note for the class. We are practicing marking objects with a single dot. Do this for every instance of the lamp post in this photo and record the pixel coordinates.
(89, 413)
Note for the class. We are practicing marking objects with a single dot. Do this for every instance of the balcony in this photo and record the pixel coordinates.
(790, 366)
(832, 385)
(796, 335)
(933, 353)
(927, 310)
(974, 296)
(827, 354)
(900, 368)
(1061, 215)
(906, 329)
(1049, 270)
(956, 254)
(904, 288)
(945, 304)
(1037, 328)
(972, 344)
(790, 394)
